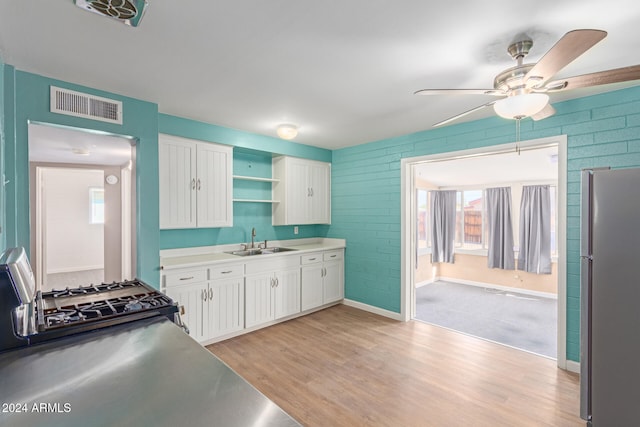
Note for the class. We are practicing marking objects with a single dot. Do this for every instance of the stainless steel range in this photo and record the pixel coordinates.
(28, 317)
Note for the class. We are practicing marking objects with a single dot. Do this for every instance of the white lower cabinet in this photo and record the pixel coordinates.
(272, 290)
(222, 299)
(214, 307)
(322, 278)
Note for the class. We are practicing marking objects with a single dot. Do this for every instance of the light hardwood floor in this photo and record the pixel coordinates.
(347, 367)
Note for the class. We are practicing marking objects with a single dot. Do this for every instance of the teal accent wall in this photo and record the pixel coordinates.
(9, 209)
(140, 121)
(602, 130)
(251, 157)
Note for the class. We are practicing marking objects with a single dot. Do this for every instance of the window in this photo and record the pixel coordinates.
(96, 205)
(470, 220)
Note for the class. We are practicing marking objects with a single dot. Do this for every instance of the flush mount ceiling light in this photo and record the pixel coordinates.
(128, 12)
(80, 151)
(287, 131)
(521, 106)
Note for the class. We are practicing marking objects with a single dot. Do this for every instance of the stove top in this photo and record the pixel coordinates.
(96, 303)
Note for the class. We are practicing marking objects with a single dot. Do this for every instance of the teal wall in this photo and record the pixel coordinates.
(30, 103)
(602, 130)
(252, 157)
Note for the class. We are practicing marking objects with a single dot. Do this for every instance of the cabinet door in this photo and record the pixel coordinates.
(226, 306)
(258, 306)
(311, 286)
(177, 163)
(333, 281)
(214, 185)
(319, 210)
(193, 298)
(287, 292)
(298, 192)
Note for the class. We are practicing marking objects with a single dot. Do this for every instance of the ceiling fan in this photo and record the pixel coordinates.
(523, 89)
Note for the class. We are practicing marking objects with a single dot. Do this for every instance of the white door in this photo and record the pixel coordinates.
(178, 184)
(258, 302)
(311, 286)
(319, 209)
(226, 307)
(298, 192)
(287, 292)
(333, 281)
(214, 185)
(192, 298)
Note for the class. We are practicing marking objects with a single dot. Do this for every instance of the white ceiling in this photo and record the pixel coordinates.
(532, 165)
(60, 145)
(343, 71)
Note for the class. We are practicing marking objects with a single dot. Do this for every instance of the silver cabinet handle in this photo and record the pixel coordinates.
(198, 185)
(193, 183)
(272, 282)
(311, 191)
(204, 295)
(312, 259)
(186, 278)
(210, 294)
(277, 282)
(226, 272)
(332, 256)
(308, 191)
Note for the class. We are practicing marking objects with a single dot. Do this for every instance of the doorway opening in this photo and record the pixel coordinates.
(82, 192)
(511, 306)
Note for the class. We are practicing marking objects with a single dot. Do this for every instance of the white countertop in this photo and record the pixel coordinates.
(206, 255)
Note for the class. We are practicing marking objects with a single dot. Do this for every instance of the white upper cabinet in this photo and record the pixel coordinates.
(196, 186)
(304, 191)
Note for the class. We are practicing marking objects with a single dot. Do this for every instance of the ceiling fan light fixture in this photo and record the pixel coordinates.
(286, 131)
(520, 106)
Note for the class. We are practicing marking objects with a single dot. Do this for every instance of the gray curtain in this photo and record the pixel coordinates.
(443, 225)
(500, 242)
(535, 230)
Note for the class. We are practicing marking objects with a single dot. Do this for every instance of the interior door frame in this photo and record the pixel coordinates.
(408, 227)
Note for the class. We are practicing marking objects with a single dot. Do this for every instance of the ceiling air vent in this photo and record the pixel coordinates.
(128, 12)
(72, 103)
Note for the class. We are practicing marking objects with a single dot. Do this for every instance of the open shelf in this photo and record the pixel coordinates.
(255, 201)
(255, 178)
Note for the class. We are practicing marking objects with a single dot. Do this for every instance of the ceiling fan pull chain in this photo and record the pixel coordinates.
(518, 135)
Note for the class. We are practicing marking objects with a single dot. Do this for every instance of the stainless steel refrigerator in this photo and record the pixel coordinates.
(610, 298)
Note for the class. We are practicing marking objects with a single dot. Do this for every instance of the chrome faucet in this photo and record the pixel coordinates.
(253, 236)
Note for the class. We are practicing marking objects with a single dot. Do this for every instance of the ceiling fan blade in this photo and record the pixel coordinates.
(494, 92)
(456, 117)
(547, 111)
(616, 75)
(569, 47)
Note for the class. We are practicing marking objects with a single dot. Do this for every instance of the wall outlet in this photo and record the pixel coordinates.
(295, 230)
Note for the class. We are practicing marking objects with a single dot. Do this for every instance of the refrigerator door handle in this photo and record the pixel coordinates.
(586, 258)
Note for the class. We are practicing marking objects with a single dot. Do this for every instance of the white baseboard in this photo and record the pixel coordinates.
(498, 287)
(426, 282)
(74, 269)
(372, 309)
(573, 366)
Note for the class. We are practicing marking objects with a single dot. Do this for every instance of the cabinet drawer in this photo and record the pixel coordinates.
(311, 258)
(185, 277)
(332, 255)
(225, 271)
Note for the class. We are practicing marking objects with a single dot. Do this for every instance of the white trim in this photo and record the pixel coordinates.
(427, 282)
(372, 309)
(75, 269)
(498, 287)
(407, 185)
(572, 366)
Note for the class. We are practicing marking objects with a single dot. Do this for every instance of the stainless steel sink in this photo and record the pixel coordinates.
(252, 252)
(276, 250)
